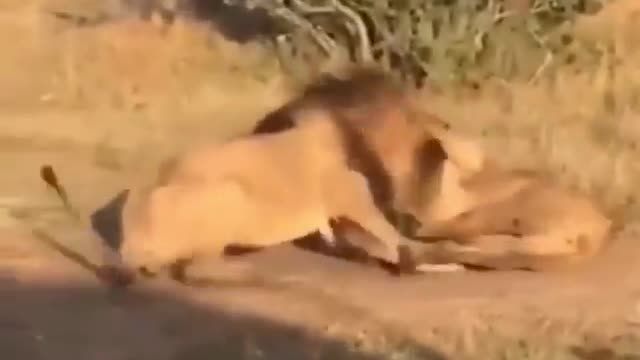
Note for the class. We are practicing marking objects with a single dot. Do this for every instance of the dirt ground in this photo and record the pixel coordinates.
(284, 303)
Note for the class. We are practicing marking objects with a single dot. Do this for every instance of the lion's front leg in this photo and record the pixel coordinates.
(349, 197)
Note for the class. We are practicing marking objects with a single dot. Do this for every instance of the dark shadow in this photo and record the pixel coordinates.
(56, 322)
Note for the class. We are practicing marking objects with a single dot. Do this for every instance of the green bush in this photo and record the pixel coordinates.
(447, 42)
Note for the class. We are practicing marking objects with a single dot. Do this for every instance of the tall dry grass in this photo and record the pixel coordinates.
(129, 77)
(135, 90)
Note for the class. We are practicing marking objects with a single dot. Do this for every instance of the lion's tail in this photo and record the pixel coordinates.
(50, 178)
(112, 275)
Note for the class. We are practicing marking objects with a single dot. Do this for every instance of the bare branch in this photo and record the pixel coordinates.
(388, 39)
(338, 7)
(320, 37)
(548, 58)
(312, 10)
(365, 43)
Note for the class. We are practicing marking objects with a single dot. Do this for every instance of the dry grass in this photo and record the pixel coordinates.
(538, 337)
(146, 88)
(478, 334)
(134, 90)
(107, 82)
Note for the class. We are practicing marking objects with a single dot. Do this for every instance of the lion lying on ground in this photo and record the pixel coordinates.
(501, 220)
(473, 212)
(513, 220)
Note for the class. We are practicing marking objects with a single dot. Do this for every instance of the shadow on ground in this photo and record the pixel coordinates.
(81, 322)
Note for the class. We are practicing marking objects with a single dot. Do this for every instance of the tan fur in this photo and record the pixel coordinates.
(262, 190)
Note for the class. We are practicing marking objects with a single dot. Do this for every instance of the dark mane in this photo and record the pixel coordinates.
(354, 100)
(361, 89)
(364, 159)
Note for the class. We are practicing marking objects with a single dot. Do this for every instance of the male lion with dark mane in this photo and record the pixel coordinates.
(265, 189)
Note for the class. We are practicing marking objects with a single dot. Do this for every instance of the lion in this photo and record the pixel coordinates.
(259, 190)
(472, 212)
(344, 140)
(511, 220)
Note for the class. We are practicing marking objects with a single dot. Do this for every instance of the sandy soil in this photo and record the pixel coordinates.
(287, 303)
